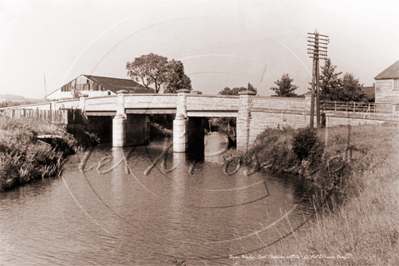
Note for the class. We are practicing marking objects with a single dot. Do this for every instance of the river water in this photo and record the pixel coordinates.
(148, 206)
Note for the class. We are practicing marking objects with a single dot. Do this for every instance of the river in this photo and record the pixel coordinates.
(148, 206)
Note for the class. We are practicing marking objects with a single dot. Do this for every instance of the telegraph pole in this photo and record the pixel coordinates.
(317, 47)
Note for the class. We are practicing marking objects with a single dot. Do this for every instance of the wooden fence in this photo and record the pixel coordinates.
(63, 116)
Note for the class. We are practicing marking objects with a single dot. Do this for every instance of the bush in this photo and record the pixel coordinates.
(303, 142)
(23, 157)
(273, 147)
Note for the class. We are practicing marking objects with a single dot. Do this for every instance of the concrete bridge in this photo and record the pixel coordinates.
(127, 114)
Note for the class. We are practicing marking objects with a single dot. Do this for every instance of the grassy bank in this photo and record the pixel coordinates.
(362, 228)
(23, 157)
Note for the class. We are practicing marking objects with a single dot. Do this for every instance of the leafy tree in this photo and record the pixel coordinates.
(352, 89)
(153, 69)
(176, 78)
(235, 91)
(149, 69)
(330, 83)
(226, 91)
(333, 88)
(284, 87)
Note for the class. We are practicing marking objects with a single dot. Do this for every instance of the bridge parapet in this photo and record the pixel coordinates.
(201, 102)
(150, 100)
(101, 103)
(279, 103)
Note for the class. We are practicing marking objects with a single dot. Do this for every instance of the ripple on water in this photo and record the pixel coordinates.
(124, 218)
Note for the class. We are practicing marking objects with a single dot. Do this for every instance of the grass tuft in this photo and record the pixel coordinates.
(361, 227)
(23, 157)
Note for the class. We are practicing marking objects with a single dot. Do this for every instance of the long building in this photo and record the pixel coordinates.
(93, 86)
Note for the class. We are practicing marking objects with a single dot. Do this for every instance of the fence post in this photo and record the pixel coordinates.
(65, 114)
(82, 103)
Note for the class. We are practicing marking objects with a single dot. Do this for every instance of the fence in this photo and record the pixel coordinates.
(361, 107)
(63, 116)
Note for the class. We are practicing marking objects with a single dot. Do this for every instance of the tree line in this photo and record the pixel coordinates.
(332, 87)
(157, 73)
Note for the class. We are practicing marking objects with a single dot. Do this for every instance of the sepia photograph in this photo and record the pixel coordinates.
(199, 132)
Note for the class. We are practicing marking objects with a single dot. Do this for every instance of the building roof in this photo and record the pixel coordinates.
(369, 91)
(391, 72)
(116, 84)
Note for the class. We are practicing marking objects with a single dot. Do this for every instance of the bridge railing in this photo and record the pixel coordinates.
(359, 107)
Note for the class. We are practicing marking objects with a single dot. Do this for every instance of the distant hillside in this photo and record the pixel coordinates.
(16, 98)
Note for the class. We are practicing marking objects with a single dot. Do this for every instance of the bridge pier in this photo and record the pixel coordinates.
(180, 136)
(188, 133)
(129, 129)
(244, 119)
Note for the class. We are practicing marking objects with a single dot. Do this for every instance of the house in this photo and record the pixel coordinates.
(93, 86)
(387, 85)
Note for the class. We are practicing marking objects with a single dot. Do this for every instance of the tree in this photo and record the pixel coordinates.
(153, 69)
(351, 89)
(284, 87)
(149, 69)
(333, 88)
(330, 83)
(235, 91)
(176, 78)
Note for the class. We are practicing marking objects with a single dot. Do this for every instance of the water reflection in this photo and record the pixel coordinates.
(116, 177)
(122, 212)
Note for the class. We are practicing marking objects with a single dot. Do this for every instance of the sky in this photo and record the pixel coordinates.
(222, 43)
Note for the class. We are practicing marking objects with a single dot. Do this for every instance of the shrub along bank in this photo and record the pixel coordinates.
(359, 165)
(23, 157)
(302, 152)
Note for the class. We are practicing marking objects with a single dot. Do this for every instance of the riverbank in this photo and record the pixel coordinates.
(362, 226)
(24, 157)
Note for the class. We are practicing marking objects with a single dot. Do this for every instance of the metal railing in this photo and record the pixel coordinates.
(360, 107)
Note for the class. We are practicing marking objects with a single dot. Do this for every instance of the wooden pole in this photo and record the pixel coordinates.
(313, 91)
(318, 52)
